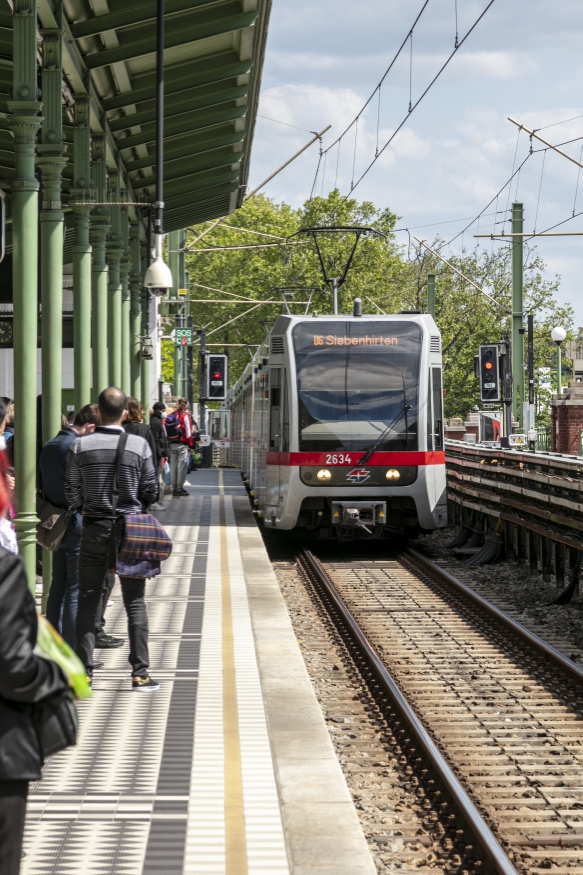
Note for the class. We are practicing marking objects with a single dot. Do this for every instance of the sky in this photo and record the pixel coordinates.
(457, 149)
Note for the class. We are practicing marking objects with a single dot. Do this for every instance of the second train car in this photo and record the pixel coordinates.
(337, 424)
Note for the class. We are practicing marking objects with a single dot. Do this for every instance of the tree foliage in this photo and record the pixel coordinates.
(386, 275)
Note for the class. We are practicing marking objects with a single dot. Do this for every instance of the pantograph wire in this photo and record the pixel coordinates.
(410, 73)
(376, 151)
(512, 174)
(323, 176)
(539, 190)
(426, 91)
(337, 160)
(577, 185)
(354, 155)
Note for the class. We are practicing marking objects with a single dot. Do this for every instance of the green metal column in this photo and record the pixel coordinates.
(135, 311)
(559, 370)
(24, 122)
(114, 253)
(431, 294)
(99, 231)
(51, 164)
(125, 266)
(145, 332)
(174, 308)
(81, 197)
(517, 316)
(183, 309)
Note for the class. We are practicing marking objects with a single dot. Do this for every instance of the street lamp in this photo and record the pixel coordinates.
(558, 335)
(158, 278)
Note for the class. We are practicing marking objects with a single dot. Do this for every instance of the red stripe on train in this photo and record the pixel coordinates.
(378, 458)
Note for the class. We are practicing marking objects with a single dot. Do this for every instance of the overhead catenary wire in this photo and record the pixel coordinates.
(423, 94)
(384, 76)
(539, 190)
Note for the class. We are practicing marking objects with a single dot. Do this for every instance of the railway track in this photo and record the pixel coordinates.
(496, 713)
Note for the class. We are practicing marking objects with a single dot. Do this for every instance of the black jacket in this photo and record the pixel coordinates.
(53, 467)
(159, 435)
(25, 679)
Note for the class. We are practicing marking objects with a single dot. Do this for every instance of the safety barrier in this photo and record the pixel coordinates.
(529, 504)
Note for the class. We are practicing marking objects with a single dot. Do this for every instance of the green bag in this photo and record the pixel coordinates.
(50, 645)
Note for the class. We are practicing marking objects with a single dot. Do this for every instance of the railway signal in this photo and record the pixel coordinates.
(489, 372)
(216, 375)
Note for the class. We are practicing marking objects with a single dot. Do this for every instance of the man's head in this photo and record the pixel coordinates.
(159, 408)
(112, 406)
(86, 419)
(181, 404)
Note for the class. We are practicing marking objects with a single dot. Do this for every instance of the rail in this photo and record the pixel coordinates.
(475, 823)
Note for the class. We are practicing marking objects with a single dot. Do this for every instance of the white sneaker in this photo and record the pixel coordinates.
(158, 506)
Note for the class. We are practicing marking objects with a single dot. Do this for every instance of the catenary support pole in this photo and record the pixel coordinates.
(125, 267)
(518, 395)
(51, 164)
(431, 294)
(81, 196)
(135, 311)
(99, 273)
(24, 121)
(114, 251)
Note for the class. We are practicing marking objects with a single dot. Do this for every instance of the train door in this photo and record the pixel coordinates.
(435, 437)
(275, 430)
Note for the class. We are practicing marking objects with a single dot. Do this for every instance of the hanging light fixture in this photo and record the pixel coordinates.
(158, 278)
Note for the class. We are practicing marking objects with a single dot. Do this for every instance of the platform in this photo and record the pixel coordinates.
(229, 768)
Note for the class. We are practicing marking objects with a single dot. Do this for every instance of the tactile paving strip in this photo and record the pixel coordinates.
(144, 790)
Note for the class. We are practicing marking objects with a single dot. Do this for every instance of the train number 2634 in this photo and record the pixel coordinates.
(338, 459)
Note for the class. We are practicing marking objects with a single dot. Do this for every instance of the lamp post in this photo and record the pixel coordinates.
(558, 335)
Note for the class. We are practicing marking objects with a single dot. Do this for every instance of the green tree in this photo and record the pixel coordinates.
(386, 276)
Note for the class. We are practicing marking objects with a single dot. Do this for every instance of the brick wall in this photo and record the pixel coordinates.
(567, 420)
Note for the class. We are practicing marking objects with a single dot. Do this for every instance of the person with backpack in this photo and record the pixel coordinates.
(179, 431)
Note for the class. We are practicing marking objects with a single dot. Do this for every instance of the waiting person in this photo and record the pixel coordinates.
(64, 592)
(25, 680)
(7, 533)
(162, 448)
(180, 439)
(89, 488)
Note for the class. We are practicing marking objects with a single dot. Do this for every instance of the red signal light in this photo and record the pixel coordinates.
(488, 366)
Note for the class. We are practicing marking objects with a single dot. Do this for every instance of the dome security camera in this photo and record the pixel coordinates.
(158, 278)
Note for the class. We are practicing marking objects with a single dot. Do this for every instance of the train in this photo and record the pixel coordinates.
(337, 426)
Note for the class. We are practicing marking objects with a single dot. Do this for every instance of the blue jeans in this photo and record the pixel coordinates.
(64, 594)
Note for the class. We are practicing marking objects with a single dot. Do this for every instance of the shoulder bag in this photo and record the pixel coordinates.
(139, 542)
(57, 723)
(52, 524)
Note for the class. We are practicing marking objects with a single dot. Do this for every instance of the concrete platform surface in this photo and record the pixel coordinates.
(229, 768)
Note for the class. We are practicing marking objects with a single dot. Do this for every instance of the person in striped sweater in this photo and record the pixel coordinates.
(89, 489)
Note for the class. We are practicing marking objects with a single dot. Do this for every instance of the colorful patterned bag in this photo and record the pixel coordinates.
(142, 544)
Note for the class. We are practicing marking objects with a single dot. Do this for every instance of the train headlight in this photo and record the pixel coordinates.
(393, 474)
(324, 475)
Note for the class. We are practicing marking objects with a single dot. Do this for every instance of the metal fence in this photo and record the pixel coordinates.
(543, 438)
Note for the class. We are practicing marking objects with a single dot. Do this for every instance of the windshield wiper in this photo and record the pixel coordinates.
(374, 447)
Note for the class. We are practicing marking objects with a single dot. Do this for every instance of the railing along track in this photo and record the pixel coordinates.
(489, 703)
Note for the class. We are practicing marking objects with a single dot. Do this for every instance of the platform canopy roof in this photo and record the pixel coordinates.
(213, 61)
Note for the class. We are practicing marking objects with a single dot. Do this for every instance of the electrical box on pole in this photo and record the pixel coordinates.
(216, 376)
(489, 372)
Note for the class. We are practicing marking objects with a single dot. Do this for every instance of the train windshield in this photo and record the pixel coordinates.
(355, 379)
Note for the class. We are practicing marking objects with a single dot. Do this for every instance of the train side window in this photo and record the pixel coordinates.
(429, 417)
(437, 404)
(274, 408)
